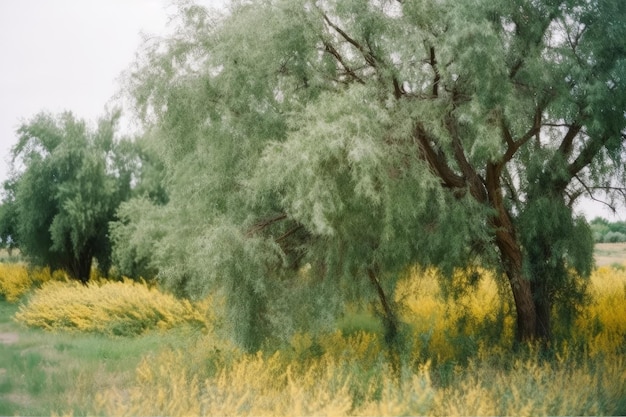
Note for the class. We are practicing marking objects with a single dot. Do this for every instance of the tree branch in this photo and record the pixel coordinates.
(257, 227)
(436, 160)
(566, 146)
(594, 145)
(433, 64)
(328, 47)
(591, 195)
(476, 183)
(369, 58)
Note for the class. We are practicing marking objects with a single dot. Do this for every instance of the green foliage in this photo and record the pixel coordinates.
(608, 232)
(67, 183)
(311, 153)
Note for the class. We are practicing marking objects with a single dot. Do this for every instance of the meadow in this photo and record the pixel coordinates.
(121, 347)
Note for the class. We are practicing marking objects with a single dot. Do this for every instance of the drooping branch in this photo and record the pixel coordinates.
(391, 321)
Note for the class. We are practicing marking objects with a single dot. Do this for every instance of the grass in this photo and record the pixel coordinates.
(454, 363)
(48, 372)
(610, 254)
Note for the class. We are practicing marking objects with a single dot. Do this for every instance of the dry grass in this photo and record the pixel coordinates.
(610, 253)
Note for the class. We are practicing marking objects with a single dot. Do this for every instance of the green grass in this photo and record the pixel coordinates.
(43, 373)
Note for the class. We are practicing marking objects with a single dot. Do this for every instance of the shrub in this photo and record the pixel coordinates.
(17, 279)
(614, 237)
(14, 281)
(113, 308)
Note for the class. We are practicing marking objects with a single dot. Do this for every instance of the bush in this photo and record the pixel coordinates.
(14, 281)
(17, 279)
(124, 308)
(614, 237)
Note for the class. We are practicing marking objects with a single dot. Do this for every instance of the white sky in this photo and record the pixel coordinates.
(67, 55)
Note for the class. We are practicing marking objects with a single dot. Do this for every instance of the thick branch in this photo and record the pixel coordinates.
(436, 161)
(476, 184)
(566, 146)
(514, 145)
(590, 151)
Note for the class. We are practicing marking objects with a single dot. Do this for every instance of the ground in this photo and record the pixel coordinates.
(610, 253)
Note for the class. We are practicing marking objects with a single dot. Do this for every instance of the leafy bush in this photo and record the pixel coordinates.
(113, 308)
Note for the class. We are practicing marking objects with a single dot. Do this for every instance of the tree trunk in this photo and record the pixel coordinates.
(80, 268)
(390, 321)
(511, 256)
(512, 259)
(543, 306)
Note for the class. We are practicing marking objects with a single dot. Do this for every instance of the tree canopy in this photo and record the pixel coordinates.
(353, 139)
(66, 184)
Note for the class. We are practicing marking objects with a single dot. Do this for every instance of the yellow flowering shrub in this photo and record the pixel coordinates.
(14, 281)
(443, 328)
(17, 279)
(603, 325)
(106, 307)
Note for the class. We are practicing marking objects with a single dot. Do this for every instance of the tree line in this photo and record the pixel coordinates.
(605, 231)
(348, 139)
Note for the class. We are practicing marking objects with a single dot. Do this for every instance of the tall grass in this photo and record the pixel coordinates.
(456, 365)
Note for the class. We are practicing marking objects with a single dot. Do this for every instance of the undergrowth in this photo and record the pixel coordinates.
(459, 360)
(457, 355)
(125, 308)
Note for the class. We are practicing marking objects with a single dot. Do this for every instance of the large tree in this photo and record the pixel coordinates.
(361, 137)
(66, 184)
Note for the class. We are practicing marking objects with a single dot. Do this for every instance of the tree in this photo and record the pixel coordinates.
(362, 137)
(66, 185)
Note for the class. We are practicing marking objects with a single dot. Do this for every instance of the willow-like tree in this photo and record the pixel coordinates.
(66, 184)
(362, 137)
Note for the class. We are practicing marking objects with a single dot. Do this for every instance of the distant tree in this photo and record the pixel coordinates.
(362, 137)
(610, 232)
(66, 185)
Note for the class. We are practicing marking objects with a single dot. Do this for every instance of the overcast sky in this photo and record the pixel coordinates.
(68, 54)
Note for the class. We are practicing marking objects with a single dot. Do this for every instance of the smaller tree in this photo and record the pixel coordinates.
(66, 184)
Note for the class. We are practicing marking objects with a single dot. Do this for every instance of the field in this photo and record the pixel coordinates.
(610, 253)
(149, 354)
